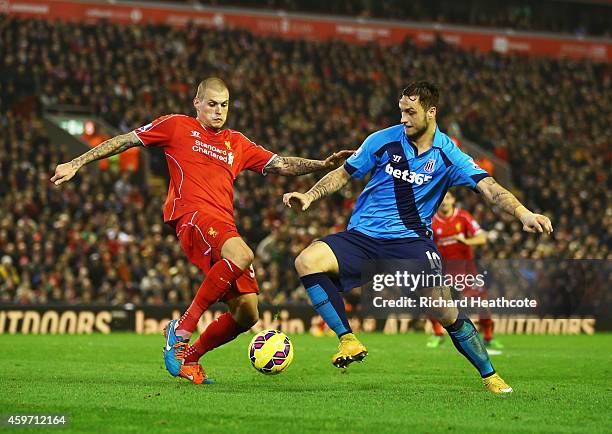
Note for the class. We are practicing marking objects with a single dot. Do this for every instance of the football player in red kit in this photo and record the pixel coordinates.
(455, 232)
(203, 160)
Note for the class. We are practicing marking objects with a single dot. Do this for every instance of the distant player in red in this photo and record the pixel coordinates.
(203, 160)
(455, 232)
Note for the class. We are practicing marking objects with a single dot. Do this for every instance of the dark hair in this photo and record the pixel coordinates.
(427, 92)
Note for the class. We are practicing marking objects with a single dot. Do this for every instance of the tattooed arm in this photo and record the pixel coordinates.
(330, 183)
(64, 172)
(292, 166)
(499, 196)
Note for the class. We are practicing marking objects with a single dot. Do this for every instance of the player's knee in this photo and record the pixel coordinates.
(305, 264)
(316, 258)
(242, 256)
(245, 258)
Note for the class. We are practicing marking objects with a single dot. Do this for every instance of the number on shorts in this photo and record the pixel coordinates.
(435, 262)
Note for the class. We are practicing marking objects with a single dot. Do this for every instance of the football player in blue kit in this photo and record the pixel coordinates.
(411, 165)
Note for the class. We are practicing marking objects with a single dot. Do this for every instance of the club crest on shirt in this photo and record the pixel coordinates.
(212, 232)
(195, 133)
(458, 227)
(430, 166)
(228, 145)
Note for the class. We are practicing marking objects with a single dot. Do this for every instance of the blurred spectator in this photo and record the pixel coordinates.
(9, 277)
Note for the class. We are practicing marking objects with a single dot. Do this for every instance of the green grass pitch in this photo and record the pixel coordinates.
(116, 384)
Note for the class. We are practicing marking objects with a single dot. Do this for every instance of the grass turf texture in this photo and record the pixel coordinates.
(116, 383)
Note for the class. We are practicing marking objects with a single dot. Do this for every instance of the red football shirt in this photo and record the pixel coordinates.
(203, 164)
(460, 222)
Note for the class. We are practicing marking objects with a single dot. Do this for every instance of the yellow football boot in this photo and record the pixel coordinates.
(495, 384)
(349, 350)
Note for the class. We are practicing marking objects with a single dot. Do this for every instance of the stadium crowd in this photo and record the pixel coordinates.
(101, 238)
(566, 16)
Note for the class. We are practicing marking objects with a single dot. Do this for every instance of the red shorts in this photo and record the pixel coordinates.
(202, 237)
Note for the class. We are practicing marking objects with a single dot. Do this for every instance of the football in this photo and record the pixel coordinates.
(270, 352)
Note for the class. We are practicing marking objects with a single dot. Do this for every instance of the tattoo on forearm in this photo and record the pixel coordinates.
(294, 166)
(501, 197)
(329, 184)
(108, 148)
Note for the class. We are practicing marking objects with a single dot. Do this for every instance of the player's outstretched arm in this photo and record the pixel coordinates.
(293, 166)
(499, 196)
(330, 183)
(64, 172)
(477, 240)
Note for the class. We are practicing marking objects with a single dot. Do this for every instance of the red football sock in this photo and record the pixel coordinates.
(438, 330)
(486, 325)
(218, 281)
(218, 332)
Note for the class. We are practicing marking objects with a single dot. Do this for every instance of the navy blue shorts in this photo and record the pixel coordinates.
(355, 251)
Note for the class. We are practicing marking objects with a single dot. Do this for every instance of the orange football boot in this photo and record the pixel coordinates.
(195, 374)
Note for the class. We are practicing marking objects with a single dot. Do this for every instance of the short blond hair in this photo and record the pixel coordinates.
(214, 83)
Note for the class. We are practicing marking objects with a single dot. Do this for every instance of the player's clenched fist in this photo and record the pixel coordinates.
(536, 223)
(297, 199)
(64, 172)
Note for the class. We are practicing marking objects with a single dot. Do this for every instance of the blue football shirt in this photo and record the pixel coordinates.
(405, 189)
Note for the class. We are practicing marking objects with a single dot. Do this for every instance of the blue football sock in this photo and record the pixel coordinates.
(470, 344)
(327, 301)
